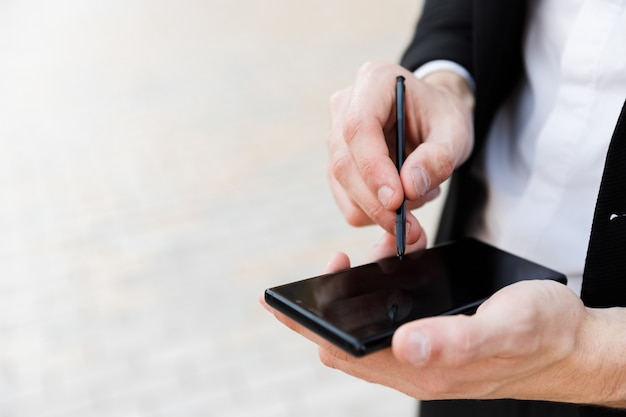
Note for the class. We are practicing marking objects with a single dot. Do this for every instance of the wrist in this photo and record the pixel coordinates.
(451, 82)
(602, 354)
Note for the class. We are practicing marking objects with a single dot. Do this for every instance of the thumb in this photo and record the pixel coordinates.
(426, 168)
(447, 341)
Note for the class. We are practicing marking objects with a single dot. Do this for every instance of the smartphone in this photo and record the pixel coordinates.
(359, 309)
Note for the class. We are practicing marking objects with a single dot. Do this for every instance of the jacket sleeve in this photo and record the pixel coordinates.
(484, 37)
(444, 31)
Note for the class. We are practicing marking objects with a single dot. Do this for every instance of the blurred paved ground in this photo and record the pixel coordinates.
(161, 163)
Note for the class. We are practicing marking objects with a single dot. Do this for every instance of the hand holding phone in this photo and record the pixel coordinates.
(360, 308)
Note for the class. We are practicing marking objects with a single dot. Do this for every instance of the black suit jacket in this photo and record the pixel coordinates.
(485, 37)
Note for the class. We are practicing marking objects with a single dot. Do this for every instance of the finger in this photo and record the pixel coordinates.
(430, 196)
(379, 367)
(358, 148)
(366, 141)
(298, 328)
(425, 169)
(338, 262)
(358, 203)
(372, 112)
(342, 172)
(507, 325)
(450, 341)
(386, 247)
(444, 126)
(369, 210)
(351, 211)
(351, 194)
(355, 215)
(295, 326)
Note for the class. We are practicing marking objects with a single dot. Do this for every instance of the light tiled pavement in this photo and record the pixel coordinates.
(161, 163)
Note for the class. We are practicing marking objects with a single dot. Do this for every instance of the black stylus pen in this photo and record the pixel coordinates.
(401, 211)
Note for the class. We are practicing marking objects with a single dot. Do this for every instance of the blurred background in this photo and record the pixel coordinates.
(161, 163)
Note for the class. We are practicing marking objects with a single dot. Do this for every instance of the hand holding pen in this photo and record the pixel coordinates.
(363, 176)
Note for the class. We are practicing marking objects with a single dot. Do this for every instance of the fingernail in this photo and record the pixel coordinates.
(418, 347)
(385, 193)
(421, 181)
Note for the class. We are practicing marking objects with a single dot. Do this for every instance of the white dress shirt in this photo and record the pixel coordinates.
(545, 153)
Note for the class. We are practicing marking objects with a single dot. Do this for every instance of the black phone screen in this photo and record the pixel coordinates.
(358, 309)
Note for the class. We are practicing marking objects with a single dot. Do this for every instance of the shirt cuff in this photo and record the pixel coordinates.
(444, 65)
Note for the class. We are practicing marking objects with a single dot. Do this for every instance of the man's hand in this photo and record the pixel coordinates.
(439, 136)
(532, 340)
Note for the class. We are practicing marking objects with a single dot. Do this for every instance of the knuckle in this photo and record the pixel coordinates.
(466, 354)
(335, 100)
(464, 357)
(369, 168)
(338, 99)
(376, 213)
(466, 347)
(368, 68)
(340, 165)
(351, 128)
(446, 164)
(443, 162)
